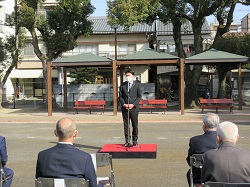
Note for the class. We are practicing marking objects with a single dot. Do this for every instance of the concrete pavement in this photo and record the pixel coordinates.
(29, 131)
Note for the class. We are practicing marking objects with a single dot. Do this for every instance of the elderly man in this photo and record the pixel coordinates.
(64, 160)
(202, 143)
(227, 163)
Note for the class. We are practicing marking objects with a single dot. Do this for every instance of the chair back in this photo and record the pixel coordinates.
(101, 160)
(67, 182)
(225, 184)
(195, 161)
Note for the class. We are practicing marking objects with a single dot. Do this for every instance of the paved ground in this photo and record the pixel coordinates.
(29, 131)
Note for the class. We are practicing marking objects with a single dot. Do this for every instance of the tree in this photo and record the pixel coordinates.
(58, 30)
(224, 16)
(193, 11)
(83, 75)
(10, 50)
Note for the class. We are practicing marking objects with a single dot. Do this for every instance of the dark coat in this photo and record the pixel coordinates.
(66, 161)
(226, 164)
(199, 145)
(134, 94)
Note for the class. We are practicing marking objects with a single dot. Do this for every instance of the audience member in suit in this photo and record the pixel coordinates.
(227, 163)
(64, 160)
(4, 158)
(129, 96)
(202, 143)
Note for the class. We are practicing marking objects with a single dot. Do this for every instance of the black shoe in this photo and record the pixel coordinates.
(135, 144)
(127, 145)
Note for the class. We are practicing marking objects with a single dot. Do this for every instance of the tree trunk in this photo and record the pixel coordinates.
(222, 70)
(192, 75)
(6, 75)
(222, 85)
(1, 93)
(177, 38)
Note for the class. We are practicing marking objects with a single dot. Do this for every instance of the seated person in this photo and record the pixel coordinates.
(64, 160)
(227, 163)
(4, 158)
(202, 143)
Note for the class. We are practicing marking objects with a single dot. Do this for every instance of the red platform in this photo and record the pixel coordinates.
(119, 151)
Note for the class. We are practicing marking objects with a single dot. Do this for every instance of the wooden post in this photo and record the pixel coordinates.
(181, 95)
(114, 88)
(240, 87)
(49, 89)
(65, 91)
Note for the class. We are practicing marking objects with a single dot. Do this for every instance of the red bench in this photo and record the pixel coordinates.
(153, 104)
(89, 104)
(217, 103)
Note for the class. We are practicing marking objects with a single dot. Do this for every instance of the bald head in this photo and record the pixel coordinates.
(228, 132)
(65, 129)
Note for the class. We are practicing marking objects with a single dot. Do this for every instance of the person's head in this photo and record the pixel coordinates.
(227, 132)
(129, 75)
(66, 130)
(210, 122)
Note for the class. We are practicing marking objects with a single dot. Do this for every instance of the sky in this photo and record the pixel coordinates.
(239, 12)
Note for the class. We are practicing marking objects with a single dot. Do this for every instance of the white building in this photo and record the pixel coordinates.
(7, 7)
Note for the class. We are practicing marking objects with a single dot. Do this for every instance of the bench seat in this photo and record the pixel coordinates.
(217, 103)
(153, 104)
(89, 104)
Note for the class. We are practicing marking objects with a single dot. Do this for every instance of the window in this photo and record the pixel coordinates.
(126, 49)
(85, 48)
(28, 49)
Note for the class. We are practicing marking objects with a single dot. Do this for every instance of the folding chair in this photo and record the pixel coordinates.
(101, 160)
(67, 182)
(224, 184)
(195, 161)
(2, 175)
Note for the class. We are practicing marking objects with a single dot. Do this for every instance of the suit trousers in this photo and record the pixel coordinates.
(133, 117)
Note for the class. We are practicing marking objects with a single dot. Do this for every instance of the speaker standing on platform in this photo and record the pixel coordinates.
(129, 96)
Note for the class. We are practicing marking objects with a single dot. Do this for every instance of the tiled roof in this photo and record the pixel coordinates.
(100, 26)
(186, 28)
(148, 54)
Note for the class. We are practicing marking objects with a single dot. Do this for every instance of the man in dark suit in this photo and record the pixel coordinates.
(64, 160)
(130, 95)
(227, 163)
(202, 143)
(4, 158)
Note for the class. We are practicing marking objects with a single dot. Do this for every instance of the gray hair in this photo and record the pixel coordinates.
(211, 120)
(228, 131)
(65, 128)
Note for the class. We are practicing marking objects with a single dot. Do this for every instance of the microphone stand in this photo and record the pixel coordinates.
(128, 115)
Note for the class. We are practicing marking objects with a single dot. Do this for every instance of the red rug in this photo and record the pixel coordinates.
(119, 151)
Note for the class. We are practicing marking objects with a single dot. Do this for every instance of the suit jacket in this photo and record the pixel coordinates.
(198, 145)
(134, 94)
(226, 164)
(66, 161)
(3, 151)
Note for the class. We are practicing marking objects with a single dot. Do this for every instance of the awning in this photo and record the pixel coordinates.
(35, 73)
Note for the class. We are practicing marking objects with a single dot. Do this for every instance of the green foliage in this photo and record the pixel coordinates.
(131, 12)
(63, 24)
(83, 75)
(236, 43)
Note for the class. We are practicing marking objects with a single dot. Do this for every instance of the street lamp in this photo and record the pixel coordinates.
(115, 29)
